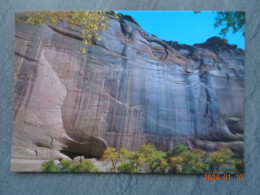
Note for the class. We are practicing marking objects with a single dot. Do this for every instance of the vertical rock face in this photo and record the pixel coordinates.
(128, 89)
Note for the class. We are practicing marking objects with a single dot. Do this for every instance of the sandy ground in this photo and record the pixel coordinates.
(26, 165)
(32, 165)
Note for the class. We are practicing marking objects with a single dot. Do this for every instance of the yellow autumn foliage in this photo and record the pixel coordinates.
(176, 160)
(90, 23)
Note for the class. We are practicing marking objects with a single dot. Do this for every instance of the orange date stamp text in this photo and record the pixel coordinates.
(225, 177)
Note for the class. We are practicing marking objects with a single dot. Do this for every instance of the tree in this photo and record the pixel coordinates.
(146, 150)
(114, 156)
(189, 160)
(137, 160)
(157, 161)
(200, 167)
(183, 160)
(219, 157)
(177, 150)
(146, 157)
(175, 164)
(233, 20)
(153, 158)
(90, 23)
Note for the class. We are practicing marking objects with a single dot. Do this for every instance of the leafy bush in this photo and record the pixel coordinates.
(175, 164)
(153, 159)
(148, 159)
(179, 160)
(177, 150)
(127, 168)
(66, 166)
(50, 166)
(189, 160)
(156, 161)
(219, 157)
(114, 156)
(200, 167)
(69, 166)
(84, 166)
(238, 166)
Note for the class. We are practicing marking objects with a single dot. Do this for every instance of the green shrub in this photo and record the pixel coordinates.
(219, 157)
(238, 166)
(126, 168)
(50, 166)
(200, 167)
(84, 166)
(189, 160)
(66, 165)
(69, 166)
(177, 150)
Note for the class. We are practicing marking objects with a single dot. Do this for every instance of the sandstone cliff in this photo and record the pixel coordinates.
(130, 88)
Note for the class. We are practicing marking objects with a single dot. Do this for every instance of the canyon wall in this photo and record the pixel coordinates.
(128, 89)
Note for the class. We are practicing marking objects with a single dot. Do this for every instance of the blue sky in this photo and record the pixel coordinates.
(182, 26)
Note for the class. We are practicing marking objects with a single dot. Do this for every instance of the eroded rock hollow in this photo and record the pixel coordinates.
(128, 89)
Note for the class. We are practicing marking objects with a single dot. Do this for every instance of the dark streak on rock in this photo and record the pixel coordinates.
(65, 34)
(30, 59)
